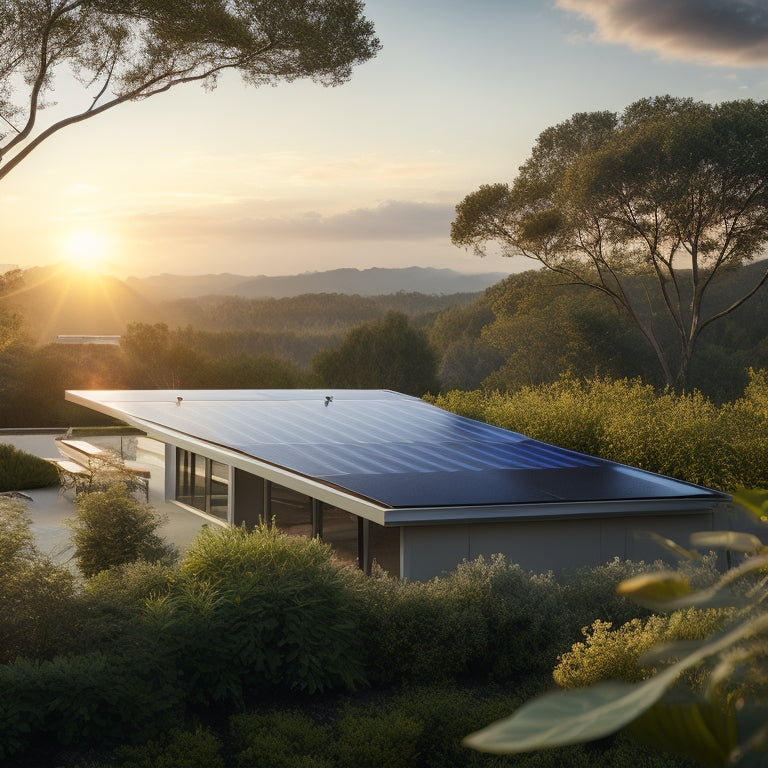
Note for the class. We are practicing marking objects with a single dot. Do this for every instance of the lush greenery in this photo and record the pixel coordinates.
(315, 663)
(111, 527)
(132, 52)
(690, 681)
(685, 436)
(526, 331)
(670, 190)
(35, 594)
(20, 470)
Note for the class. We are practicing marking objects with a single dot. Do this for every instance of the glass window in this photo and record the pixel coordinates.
(185, 473)
(199, 482)
(340, 529)
(291, 510)
(202, 483)
(219, 493)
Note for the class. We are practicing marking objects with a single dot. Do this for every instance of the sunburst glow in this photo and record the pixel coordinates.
(86, 250)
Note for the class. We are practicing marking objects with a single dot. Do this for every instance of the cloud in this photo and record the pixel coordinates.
(389, 221)
(392, 220)
(712, 32)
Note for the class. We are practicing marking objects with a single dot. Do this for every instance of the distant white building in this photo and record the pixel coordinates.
(387, 477)
(71, 338)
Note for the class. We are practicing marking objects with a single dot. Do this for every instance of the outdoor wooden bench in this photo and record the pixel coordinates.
(81, 451)
(72, 475)
(83, 459)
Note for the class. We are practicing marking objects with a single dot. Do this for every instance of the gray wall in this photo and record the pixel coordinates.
(540, 546)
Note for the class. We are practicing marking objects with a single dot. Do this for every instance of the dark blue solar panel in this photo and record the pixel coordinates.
(390, 448)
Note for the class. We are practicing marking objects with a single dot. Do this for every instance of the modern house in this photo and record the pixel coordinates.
(389, 478)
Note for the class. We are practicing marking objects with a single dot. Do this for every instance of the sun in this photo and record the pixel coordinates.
(86, 250)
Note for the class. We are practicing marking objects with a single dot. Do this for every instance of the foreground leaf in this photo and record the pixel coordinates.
(655, 587)
(705, 731)
(755, 500)
(572, 717)
(670, 545)
(730, 540)
(662, 598)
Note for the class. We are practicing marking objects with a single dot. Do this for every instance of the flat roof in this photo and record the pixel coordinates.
(395, 451)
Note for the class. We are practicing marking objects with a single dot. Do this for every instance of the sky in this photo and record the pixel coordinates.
(301, 178)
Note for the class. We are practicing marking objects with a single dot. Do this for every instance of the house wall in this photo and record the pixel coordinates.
(552, 544)
(428, 551)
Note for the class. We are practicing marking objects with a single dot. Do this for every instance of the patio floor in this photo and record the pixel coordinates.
(49, 507)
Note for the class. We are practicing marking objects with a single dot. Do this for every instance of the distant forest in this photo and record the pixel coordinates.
(526, 330)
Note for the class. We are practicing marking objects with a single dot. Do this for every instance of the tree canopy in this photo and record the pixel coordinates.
(671, 188)
(129, 50)
(384, 354)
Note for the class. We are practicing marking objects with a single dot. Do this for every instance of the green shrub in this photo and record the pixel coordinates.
(91, 700)
(260, 611)
(680, 435)
(21, 471)
(488, 620)
(523, 611)
(178, 749)
(616, 654)
(589, 593)
(131, 584)
(420, 631)
(37, 597)
(111, 527)
(417, 726)
(279, 739)
(221, 555)
(446, 715)
(372, 738)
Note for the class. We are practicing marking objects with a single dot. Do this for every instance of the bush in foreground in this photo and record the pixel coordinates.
(111, 527)
(417, 726)
(260, 612)
(36, 595)
(21, 471)
(250, 618)
(489, 620)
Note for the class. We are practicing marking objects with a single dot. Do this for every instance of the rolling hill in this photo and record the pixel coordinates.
(367, 282)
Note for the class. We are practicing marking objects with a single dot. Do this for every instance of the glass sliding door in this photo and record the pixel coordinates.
(218, 496)
(202, 483)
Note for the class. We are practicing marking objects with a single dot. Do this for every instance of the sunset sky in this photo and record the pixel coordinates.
(302, 178)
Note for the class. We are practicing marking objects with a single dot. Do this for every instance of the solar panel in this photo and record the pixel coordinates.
(393, 449)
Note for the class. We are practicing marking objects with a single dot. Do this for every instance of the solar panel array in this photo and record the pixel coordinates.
(391, 448)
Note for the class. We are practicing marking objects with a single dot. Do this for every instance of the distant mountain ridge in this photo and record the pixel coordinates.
(376, 281)
(56, 300)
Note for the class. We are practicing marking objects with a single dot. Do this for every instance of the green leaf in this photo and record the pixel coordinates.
(656, 587)
(670, 546)
(705, 731)
(755, 500)
(576, 716)
(716, 596)
(731, 540)
(569, 717)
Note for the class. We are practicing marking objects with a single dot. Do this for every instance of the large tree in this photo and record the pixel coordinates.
(384, 354)
(671, 189)
(130, 50)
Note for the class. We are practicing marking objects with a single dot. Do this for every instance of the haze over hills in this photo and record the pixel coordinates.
(376, 281)
(58, 300)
